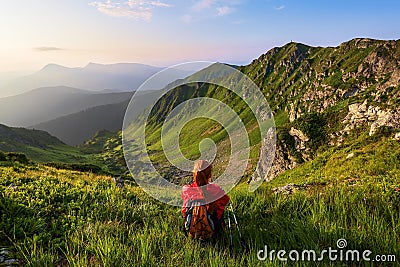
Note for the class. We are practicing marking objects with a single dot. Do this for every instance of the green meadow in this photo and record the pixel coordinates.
(53, 216)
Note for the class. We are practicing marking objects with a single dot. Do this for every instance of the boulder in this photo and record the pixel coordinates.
(300, 138)
(389, 119)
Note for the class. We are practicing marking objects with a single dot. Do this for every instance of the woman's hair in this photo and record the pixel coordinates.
(202, 170)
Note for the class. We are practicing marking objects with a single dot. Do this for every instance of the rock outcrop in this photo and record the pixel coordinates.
(374, 117)
(389, 118)
(300, 138)
(283, 161)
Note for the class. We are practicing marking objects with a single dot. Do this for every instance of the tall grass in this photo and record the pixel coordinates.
(88, 221)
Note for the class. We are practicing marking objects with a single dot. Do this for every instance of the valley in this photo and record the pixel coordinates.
(336, 171)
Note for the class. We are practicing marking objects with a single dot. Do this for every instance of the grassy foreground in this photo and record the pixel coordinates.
(69, 218)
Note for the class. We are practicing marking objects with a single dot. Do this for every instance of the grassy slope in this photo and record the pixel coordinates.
(59, 153)
(285, 75)
(39, 146)
(90, 222)
(198, 129)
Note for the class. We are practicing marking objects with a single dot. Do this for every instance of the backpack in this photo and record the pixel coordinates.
(198, 222)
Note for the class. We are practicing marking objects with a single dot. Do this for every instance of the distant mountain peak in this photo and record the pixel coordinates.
(52, 66)
(58, 89)
(93, 76)
(93, 65)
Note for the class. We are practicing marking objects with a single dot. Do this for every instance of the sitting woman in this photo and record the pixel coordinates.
(211, 195)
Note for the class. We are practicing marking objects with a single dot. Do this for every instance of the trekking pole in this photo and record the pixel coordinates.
(242, 241)
(230, 234)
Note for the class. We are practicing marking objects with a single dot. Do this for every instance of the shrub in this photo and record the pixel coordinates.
(17, 157)
(3, 156)
(313, 125)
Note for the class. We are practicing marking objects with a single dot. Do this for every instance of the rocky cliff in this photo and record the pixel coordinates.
(348, 89)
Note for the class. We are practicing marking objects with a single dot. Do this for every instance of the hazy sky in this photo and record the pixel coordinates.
(163, 32)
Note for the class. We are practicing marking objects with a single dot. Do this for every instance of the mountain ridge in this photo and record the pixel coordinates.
(321, 97)
(93, 77)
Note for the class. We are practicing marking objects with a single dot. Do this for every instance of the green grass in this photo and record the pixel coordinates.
(49, 214)
(58, 153)
(88, 221)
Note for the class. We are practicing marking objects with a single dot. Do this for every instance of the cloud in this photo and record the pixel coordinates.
(203, 4)
(137, 9)
(282, 7)
(225, 10)
(207, 8)
(47, 48)
(159, 4)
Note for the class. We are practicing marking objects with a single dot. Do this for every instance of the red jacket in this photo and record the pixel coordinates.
(193, 192)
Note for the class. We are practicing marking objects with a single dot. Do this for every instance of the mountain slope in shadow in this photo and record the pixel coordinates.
(48, 103)
(74, 129)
